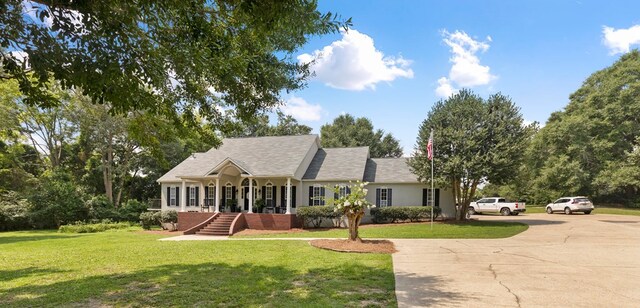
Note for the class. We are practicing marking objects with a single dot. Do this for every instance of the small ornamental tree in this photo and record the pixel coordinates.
(353, 205)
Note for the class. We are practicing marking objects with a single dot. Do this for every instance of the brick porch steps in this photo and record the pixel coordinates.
(220, 226)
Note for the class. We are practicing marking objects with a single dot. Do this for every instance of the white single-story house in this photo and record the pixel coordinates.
(288, 172)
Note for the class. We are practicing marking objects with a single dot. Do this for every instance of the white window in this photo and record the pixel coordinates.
(384, 199)
(430, 198)
(172, 196)
(342, 191)
(228, 193)
(192, 196)
(211, 195)
(318, 198)
(269, 193)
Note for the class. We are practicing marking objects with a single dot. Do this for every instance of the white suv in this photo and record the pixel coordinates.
(569, 205)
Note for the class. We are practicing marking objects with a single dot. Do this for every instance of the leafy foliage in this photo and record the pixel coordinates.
(353, 205)
(171, 58)
(315, 215)
(81, 227)
(14, 211)
(150, 219)
(347, 131)
(57, 201)
(403, 213)
(259, 126)
(476, 140)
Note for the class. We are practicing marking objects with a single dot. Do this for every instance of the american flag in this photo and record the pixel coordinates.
(430, 147)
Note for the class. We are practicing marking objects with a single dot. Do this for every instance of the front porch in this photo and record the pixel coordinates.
(231, 188)
(195, 222)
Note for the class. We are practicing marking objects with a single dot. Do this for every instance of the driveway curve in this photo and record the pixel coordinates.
(561, 260)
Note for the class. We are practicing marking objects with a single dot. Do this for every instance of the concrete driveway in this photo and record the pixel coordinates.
(561, 260)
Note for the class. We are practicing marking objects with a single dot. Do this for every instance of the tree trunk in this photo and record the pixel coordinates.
(107, 172)
(354, 223)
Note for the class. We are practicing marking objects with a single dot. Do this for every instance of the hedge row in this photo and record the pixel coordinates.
(150, 219)
(315, 215)
(403, 213)
(81, 227)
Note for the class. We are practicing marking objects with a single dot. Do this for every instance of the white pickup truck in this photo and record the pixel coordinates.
(496, 205)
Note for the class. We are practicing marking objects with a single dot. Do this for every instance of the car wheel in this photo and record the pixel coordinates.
(587, 212)
(549, 210)
(505, 211)
(471, 211)
(567, 210)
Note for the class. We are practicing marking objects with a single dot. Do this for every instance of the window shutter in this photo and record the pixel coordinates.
(197, 196)
(283, 195)
(310, 195)
(322, 195)
(206, 195)
(437, 198)
(274, 189)
(293, 196)
(233, 193)
(425, 196)
(177, 196)
(348, 190)
(377, 196)
(335, 192)
(264, 195)
(224, 196)
(389, 197)
(168, 196)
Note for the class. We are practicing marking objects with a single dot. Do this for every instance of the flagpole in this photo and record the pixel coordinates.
(432, 186)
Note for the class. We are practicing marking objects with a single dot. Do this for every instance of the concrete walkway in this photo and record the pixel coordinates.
(562, 260)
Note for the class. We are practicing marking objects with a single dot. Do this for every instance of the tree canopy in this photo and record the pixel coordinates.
(591, 147)
(259, 126)
(347, 131)
(475, 140)
(171, 58)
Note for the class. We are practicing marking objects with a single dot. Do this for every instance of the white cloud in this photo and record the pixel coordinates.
(445, 89)
(298, 108)
(466, 70)
(354, 63)
(620, 40)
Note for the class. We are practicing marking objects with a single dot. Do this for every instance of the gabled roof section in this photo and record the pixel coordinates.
(389, 170)
(241, 165)
(260, 156)
(338, 164)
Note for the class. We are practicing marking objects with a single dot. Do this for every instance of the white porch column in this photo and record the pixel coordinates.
(201, 197)
(217, 195)
(184, 198)
(288, 195)
(250, 195)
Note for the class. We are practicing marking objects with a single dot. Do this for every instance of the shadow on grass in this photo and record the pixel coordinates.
(425, 291)
(8, 275)
(214, 284)
(30, 238)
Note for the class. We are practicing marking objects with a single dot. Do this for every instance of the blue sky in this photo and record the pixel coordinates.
(390, 68)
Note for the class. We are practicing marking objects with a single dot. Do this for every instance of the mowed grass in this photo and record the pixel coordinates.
(472, 229)
(597, 210)
(124, 268)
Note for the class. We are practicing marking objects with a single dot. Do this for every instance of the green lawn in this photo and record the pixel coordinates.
(123, 268)
(598, 210)
(474, 229)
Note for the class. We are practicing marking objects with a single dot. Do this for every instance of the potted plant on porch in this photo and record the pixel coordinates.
(258, 205)
(233, 205)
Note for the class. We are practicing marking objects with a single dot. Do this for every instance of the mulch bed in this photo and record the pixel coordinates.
(363, 246)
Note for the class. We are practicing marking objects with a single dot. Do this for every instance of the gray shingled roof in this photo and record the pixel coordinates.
(338, 164)
(262, 156)
(389, 170)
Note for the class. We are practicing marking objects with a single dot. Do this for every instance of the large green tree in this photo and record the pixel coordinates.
(171, 58)
(589, 148)
(259, 126)
(475, 140)
(347, 131)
